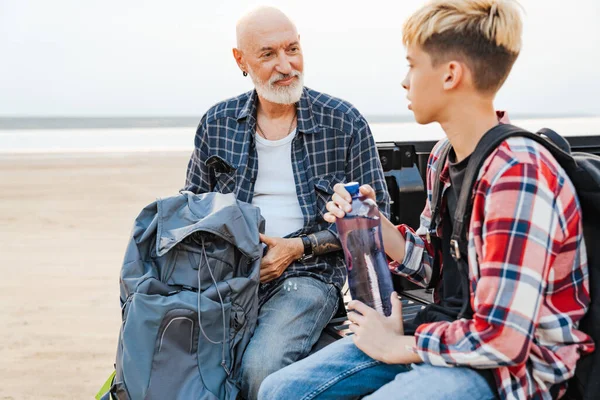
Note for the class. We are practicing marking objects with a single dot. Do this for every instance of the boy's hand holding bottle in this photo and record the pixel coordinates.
(341, 201)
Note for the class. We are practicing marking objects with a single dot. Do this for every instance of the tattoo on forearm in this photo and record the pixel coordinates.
(324, 242)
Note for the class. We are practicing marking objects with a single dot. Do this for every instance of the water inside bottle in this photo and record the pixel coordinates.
(368, 274)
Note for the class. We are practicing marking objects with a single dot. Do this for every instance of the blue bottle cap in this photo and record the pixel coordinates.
(352, 188)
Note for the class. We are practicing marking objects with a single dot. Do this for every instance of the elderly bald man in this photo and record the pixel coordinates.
(282, 147)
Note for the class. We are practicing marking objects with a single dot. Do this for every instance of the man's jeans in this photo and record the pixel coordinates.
(289, 324)
(342, 371)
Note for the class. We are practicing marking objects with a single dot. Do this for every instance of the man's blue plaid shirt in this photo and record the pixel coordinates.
(333, 144)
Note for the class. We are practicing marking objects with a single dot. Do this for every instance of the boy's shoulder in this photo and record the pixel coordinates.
(521, 151)
(513, 151)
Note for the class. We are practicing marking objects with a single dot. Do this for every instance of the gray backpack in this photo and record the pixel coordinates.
(188, 253)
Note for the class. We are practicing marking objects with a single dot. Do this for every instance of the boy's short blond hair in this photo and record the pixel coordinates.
(485, 34)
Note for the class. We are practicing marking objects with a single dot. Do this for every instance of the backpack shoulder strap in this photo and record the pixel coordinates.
(437, 189)
(488, 143)
(435, 206)
(556, 139)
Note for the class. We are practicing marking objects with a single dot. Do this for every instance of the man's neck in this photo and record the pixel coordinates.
(273, 111)
(466, 124)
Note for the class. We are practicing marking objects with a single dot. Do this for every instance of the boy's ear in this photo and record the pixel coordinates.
(453, 75)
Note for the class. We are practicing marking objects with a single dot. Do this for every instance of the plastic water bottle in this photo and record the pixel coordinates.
(369, 277)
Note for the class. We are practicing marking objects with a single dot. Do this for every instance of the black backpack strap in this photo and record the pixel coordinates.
(488, 143)
(435, 206)
(558, 140)
(437, 189)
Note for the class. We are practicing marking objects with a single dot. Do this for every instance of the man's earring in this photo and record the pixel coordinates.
(244, 73)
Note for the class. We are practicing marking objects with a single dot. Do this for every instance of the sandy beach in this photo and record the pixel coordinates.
(64, 226)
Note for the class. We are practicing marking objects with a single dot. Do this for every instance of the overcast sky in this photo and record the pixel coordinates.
(161, 58)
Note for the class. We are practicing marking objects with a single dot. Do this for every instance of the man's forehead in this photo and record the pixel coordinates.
(272, 38)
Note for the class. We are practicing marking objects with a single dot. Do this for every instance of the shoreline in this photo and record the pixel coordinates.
(176, 140)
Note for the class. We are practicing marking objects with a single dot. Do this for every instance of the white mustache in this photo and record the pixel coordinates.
(280, 77)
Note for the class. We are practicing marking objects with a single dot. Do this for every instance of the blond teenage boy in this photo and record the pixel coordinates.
(528, 278)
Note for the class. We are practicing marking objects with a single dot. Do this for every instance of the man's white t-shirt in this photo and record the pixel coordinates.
(275, 187)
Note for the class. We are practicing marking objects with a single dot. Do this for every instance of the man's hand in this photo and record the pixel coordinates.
(382, 338)
(280, 254)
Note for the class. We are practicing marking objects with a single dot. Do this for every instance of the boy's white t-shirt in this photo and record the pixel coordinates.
(275, 187)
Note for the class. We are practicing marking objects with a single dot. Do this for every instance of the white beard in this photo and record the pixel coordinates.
(279, 94)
